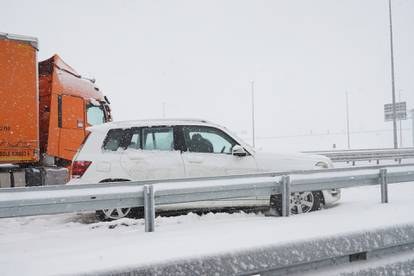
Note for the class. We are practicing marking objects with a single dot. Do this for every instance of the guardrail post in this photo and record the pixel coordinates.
(384, 187)
(149, 208)
(285, 195)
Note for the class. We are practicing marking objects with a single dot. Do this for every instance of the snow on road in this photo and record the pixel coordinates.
(77, 243)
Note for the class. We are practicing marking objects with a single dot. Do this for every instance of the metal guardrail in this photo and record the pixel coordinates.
(367, 155)
(149, 194)
(295, 257)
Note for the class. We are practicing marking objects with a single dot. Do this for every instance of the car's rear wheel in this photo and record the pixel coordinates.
(300, 202)
(118, 213)
(113, 214)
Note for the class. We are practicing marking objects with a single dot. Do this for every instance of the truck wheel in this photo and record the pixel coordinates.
(300, 202)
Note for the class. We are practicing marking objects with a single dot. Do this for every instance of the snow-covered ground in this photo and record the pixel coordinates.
(76, 243)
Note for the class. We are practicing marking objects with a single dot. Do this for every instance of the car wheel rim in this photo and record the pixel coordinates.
(116, 213)
(301, 202)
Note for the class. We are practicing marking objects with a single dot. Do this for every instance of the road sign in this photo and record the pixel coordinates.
(400, 111)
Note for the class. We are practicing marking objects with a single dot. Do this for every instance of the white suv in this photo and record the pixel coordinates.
(162, 149)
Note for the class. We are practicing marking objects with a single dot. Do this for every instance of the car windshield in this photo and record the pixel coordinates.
(95, 115)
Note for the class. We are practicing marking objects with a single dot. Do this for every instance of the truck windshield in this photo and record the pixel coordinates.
(95, 115)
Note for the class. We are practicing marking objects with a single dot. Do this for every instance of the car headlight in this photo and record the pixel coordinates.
(322, 165)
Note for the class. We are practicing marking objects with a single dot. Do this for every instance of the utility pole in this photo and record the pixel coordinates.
(163, 110)
(394, 113)
(347, 120)
(412, 120)
(253, 134)
(401, 134)
(400, 121)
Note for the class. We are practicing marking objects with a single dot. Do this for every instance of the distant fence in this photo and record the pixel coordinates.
(43, 200)
(352, 156)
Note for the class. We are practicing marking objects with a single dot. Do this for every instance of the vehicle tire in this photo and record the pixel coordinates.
(118, 213)
(300, 202)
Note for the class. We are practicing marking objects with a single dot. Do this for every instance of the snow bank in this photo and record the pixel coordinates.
(77, 243)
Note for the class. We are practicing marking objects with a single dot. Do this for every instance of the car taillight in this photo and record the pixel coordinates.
(79, 168)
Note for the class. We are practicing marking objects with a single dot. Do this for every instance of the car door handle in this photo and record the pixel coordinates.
(135, 156)
(195, 160)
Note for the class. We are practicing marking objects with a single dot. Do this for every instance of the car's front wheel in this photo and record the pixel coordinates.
(300, 202)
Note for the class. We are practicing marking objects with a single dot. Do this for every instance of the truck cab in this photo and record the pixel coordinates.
(45, 110)
(68, 104)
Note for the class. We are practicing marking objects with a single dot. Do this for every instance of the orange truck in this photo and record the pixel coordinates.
(45, 108)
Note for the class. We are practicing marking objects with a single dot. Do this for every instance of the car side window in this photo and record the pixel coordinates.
(207, 139)
(116, 139)
(135, 142)
(158, 138)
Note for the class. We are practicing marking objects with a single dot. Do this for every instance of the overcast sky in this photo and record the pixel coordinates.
(199, 57)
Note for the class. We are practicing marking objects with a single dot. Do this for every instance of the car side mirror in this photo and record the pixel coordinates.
(238, 150)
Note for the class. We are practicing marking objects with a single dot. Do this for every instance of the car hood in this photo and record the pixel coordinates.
(278, 162)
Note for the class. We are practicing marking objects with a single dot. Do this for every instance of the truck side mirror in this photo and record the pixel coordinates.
(238, 150)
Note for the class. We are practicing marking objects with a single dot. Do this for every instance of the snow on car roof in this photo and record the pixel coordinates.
(148, 122)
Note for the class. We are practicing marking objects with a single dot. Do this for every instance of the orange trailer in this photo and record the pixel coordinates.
(45, 109)
(19, 116)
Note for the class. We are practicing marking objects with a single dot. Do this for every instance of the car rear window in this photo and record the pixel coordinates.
(117, 139)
